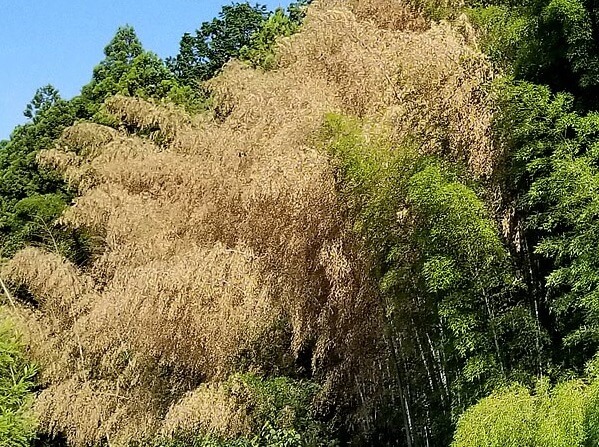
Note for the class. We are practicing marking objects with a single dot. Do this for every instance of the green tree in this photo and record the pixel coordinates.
(553, 182)
(20, 175)
(120, 54)
(216, 42)
(549, 42)
(445, 281)
(260, 51)
(44, 98)
(27, 191)
(147, 77)
(130, 70)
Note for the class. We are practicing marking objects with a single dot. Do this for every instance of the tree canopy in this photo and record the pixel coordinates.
(380, 227)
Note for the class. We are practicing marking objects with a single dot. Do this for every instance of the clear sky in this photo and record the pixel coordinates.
(59, 42)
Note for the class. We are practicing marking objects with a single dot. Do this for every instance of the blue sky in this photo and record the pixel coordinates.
(59, 42)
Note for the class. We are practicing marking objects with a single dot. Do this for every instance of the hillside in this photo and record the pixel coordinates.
(377, 228)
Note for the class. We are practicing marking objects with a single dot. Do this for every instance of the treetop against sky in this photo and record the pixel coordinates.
(59, 44)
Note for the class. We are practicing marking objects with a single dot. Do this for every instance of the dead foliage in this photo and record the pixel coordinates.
(216, 230)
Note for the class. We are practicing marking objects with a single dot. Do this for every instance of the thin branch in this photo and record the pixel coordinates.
(7, 293)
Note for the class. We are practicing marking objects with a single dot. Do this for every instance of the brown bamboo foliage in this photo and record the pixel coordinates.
(216, 229)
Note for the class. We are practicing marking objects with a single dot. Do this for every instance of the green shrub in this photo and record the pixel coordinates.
(504, 419)
(281, 411)
(17, 424)
(562, 416)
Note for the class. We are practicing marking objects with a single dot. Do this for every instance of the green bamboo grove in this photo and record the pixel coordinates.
(339, 223)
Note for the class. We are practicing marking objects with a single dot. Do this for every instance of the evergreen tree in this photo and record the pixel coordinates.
(216, 42)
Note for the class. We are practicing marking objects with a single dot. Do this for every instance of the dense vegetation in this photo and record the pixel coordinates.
(365, 222)
(17, 423)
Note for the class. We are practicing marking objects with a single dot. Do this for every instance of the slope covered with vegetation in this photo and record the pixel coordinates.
(377, 226)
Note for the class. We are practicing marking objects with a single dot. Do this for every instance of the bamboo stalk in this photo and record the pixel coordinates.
(7, 293)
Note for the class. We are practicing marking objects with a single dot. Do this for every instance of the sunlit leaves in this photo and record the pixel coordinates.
(562, 416)
(555, 168)
(443, 270)
(17, 425)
